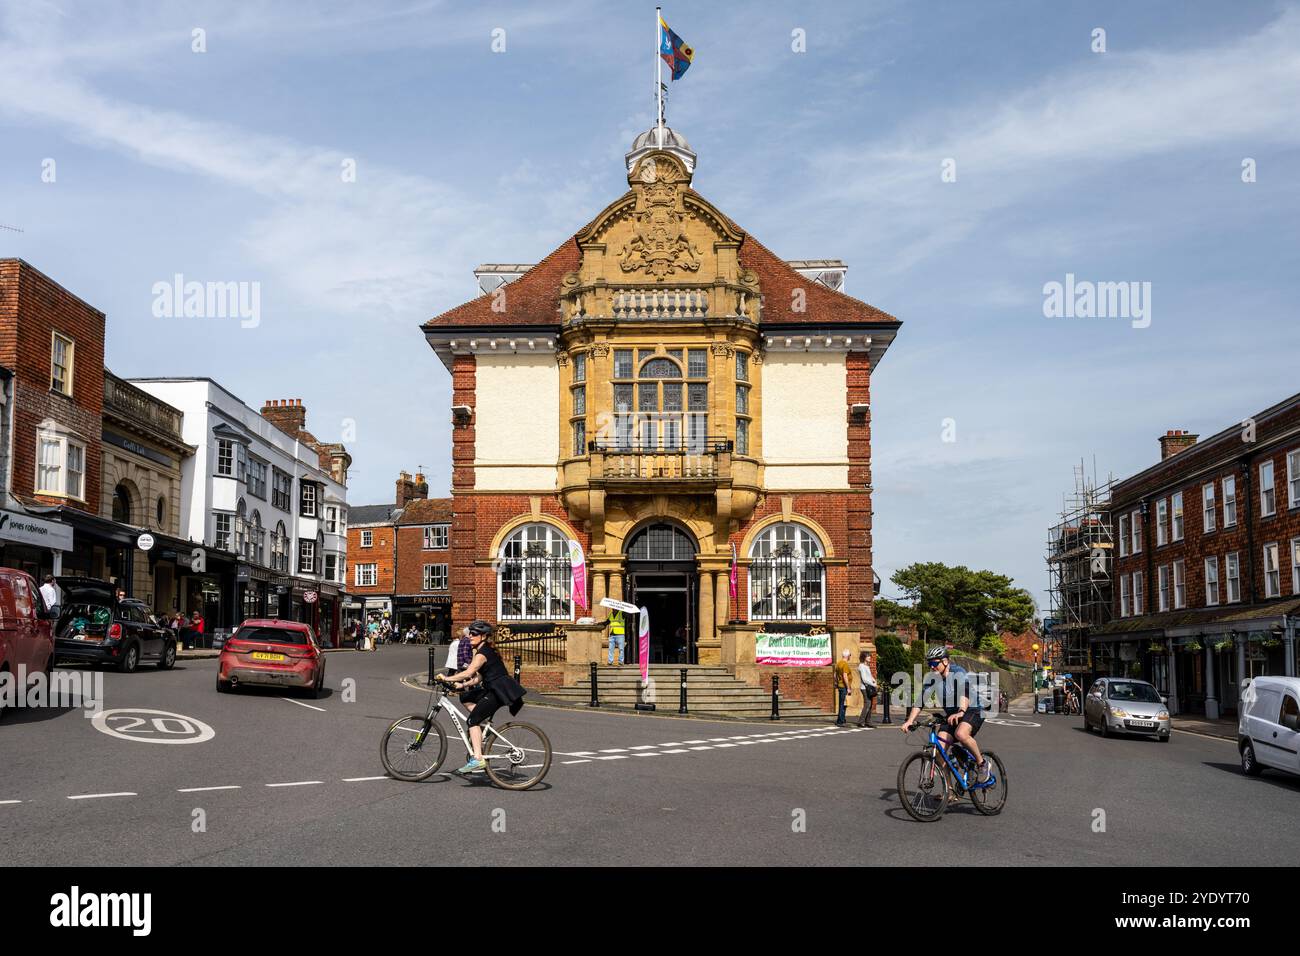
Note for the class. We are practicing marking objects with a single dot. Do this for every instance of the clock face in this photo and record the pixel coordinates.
(648, 171)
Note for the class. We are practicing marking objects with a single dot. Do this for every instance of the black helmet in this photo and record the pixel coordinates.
(480, 627)
(937, 652)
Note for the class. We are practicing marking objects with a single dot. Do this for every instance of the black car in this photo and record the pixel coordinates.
(95, 627)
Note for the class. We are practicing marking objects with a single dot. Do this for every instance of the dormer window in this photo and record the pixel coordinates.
(307, 495)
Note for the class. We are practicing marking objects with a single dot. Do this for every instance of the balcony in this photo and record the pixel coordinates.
(690, 462)
(137, 407)
(661, 304)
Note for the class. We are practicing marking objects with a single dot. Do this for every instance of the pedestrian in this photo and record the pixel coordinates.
(866, 684)
(50, 595)
(843, 684)
(617, 637)
(453, 652)
(372, 633)
(196, 625)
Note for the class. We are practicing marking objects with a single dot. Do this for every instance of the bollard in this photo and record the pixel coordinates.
(519, 662)
(681, 704)
(595, 698)
(432, 666)
(885, 704)
(776, 697)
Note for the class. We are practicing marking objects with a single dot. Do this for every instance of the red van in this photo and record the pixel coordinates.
(26, 642)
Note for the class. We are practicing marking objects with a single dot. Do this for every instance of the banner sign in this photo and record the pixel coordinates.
(733, 582)
(616, 605)
(792, 650)
(579, 563)
(24, 529)
(644, 643)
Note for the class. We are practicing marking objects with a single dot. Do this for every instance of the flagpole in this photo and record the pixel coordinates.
(659, 79)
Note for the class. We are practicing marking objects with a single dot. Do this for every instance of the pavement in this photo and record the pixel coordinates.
(261, 777)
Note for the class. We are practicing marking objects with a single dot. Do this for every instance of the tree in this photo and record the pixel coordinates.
(962, 606)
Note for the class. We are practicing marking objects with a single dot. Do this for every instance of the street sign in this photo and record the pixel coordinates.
(144, 542)
(617, 605)
(309, 597)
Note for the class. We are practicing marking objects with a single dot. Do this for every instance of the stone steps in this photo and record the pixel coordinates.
(710, 690)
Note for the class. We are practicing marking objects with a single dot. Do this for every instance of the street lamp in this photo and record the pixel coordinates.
(1035, 647)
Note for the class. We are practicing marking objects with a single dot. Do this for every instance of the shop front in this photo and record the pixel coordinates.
(33, 544)
(430, 615)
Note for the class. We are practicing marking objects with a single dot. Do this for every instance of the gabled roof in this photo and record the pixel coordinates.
(425, 511)
(532, 299)
(372, 514)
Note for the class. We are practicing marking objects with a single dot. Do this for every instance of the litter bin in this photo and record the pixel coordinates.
(1058, 700)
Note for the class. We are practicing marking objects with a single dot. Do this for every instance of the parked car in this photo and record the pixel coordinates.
(274, 653)
(94, 627)
(26, 646)
(1268, 730)
(1120, 705)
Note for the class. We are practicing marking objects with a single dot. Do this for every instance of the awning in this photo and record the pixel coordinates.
(22, 528)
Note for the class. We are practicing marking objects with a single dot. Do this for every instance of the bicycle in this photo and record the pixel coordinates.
(937, 779)
(415, 746)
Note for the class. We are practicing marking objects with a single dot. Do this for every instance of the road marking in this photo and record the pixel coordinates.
(745, 743)
(566, 762)
(676, 751)
(160, 727)
(361, 779)
(650, 754)
(702, 748)
(672, 743)
(206, 789)
(301, 704)
(612, 758)
(8, 802)
(583, 753)
(693, 741)
(615, 750)
(643, 747)
(726, 745)
(296, 783)
(714, 740)
(97, 796)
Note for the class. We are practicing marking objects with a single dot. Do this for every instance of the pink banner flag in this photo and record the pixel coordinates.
(643, 642)
(734, 565)
(579, 563)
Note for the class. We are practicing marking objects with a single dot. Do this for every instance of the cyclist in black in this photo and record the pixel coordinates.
(951, 685)
(492, 686)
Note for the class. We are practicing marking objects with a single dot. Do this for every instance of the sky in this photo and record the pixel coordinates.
(958, 157)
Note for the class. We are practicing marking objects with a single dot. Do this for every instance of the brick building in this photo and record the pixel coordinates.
(1207, 569)
(401, 564)
(661, 389)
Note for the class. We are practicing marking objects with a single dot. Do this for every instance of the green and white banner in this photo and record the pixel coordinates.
(793, 650)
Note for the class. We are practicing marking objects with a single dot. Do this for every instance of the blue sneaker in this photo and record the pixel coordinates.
(474, 766)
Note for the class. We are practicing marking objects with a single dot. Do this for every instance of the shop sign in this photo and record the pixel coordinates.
(792, 650)
(309, 596)
(144, 542)
(24, 529)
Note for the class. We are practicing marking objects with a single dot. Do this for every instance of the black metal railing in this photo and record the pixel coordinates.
(534, 649)
(686, 446)
(787, 587)
(536, 589)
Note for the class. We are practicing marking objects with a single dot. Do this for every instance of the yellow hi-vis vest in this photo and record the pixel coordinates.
(616, 622)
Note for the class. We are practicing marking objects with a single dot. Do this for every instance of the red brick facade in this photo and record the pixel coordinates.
(380, 553)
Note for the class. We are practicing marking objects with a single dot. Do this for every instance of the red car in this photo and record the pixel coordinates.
(272, 653)
(26, 645)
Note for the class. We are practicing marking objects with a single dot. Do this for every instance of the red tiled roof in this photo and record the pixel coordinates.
(426, 510)
(530, 300)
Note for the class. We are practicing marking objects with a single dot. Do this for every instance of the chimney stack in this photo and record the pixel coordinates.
(286, 414)
(408, 488)
(1175, 440)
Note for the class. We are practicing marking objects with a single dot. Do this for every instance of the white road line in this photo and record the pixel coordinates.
(615, 750)
(97, 796)
(301, 704)
(643, 747)
(702, 748)
(745, 743)
(725, 745)
(8, 802)
(620, 757)
(676, 751)
(672, 743)
(296, 783)
(741, 737)
(714, 740)
(206, 789)
(574, 761)
(694, 741)
(361, 779)
(649, 754)
(580, 753)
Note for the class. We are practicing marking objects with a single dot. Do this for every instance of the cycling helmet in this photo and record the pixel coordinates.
(480, 627)
(937, 652)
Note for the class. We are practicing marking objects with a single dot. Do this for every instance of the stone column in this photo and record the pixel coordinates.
(616, 585)
(1211, 699)
(707, 628)
(722, 595)
(598, 593)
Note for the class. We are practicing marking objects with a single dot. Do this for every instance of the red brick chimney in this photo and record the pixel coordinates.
(1174, 441)
(286, 414)
(408, 488)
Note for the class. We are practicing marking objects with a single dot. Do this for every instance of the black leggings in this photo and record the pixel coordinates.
(484, 708)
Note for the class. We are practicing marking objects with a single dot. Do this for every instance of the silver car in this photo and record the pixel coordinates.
(1119, 705)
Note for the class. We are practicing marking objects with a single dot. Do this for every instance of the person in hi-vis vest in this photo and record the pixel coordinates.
(617, 636)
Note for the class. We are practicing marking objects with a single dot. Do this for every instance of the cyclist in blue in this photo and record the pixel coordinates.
(950, 683)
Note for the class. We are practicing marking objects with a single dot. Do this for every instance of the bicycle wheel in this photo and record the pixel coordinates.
(518, 755)
(923, 787)
(991, 799)
(413, 748)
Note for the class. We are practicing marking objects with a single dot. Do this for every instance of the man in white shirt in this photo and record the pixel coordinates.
(50, 593)
(867, 684)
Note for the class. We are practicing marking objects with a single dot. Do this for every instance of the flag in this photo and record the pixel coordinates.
(643, 642)
(734, 563)
(674, 51)
(579, 564)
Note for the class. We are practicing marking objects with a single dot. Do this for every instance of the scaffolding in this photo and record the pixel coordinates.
(1080, 560)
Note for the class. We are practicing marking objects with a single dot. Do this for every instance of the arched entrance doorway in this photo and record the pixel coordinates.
(661, 577)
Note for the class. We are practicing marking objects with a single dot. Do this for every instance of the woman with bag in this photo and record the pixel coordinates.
(867, 684)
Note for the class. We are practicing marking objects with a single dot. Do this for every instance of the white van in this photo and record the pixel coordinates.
(1268, 730)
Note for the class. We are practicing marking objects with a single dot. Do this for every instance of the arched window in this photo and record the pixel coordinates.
(257, 539)
(787, 580)
(122, 505)
(534, 577)
(280, 549)
(662, 410)
(162, 510)
(241, 530)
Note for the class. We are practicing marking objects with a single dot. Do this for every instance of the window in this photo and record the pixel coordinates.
(1162, 522)
(1233, 569)
(280, 549)
(622, 363)
(241, 530)
(1180, 584)
(162, 509)
(257, 478)
(61, 349)
(435, 577)
(331, 567)
(742, 366)
(1211, 582)
(281, 488)
(308, 491)
(1137, 592)
(1293, 478)
(742, 399)
(579, 366)
(580, 400)
(1272, 573)
(256, 539)
(786, 575)
(697, 363)
(1178, 516)
(306, 557)
(332, 519)
(1123, 596)
(1123, 536)
(534, 576)
(366, 575)
(367, 539)
(1207, 507)
(60, 466)
(1162, 586)
(742, 436)
(435, 537)
(1137, 531)
(221, 536)
(1267, 492)
(1295, 566)
(579, 438)
(122, 505)
(1229, 501)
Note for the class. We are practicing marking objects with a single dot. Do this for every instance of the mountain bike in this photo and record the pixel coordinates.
(929, 778)
(517, 755)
